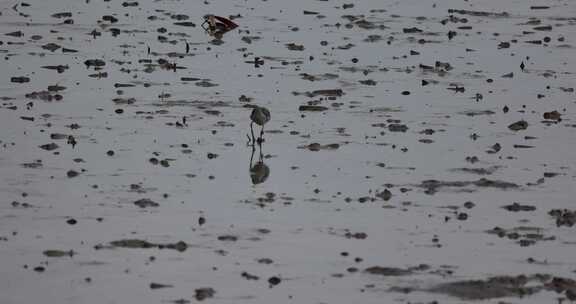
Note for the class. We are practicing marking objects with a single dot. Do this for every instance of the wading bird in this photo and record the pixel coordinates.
(260, 116)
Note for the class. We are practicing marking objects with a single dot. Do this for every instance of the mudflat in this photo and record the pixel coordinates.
(414, 151)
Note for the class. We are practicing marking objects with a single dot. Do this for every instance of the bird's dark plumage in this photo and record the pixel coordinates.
(259, 116)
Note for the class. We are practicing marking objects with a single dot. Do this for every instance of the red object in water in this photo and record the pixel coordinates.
(228, 24)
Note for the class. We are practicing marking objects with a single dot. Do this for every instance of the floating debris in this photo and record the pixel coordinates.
(563, 217)
(142, 244)
(432, 186)
(204, 293)
(145, 203)
(516, 207)
(495, 287)
(311, 108)
(49, 147)
(318, 147)
(519, 125)
(58, 253)
(20, 79)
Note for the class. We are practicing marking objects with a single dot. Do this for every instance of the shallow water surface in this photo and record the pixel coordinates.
(416, 152)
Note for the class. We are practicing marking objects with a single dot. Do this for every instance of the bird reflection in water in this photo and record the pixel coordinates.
(259, 172)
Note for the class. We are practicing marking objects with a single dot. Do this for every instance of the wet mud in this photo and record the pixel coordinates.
(161, 151)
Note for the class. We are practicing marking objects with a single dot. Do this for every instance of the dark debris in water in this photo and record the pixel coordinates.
(524, 236)
(432, 186)
(159, 285)
(395, 271)
(477, 171)
(516, 207)
(325, 92)
(443, 271)
(319, 147)
(519, 125)
(563, 217)
(204, 293)
(53, 253)
(146, 203)
(142, 244)
(312, 108)
(505, 286)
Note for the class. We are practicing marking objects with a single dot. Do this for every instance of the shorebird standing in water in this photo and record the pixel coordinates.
(260, 116)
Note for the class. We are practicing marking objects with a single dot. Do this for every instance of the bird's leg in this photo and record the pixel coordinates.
(261, 156)
(252, 157)
(261, 139)
(252, 132)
